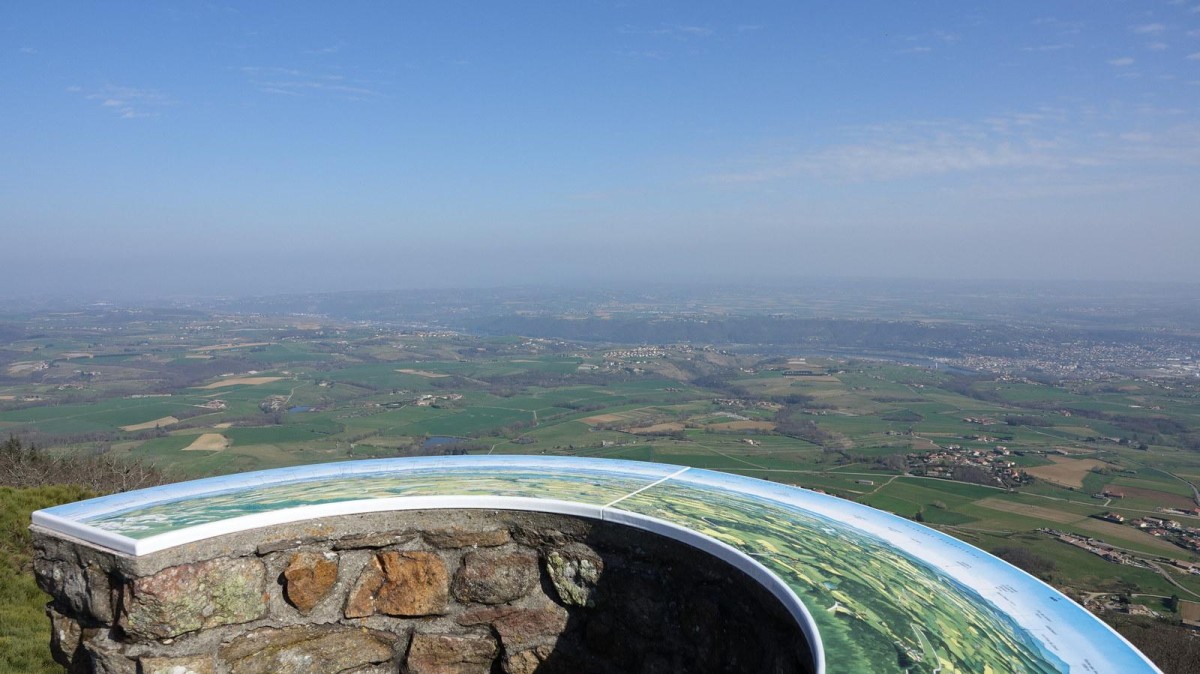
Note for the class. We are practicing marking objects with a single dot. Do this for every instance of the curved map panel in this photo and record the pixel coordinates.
(884, 593)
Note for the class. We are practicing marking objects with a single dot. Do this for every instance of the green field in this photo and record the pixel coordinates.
(360, 393)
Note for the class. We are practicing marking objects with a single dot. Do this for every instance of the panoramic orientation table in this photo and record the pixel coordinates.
(871, 591)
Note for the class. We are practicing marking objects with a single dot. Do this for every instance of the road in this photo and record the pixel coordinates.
(1195, 491)
(1167, 574)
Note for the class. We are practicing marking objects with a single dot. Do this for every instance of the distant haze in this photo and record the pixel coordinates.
(250, 148)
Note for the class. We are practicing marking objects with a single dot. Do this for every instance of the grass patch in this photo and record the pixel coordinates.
(24, 628)
(273, 435)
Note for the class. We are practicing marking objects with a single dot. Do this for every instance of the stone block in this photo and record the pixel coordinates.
(83, 591)
(520, 628)
(65, 634)
(308, 578)
(106, 657)
(397, 583)
(304, 650)
(99, 594)
(575, 571)
(526, 662)
(190, 597)
(496, 576)
(450, 654)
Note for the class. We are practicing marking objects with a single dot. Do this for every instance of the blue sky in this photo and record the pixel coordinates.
(210, 147)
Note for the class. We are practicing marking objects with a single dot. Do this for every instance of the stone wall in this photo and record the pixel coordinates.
(432, 592)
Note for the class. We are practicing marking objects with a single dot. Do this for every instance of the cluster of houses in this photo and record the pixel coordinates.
(742, 403)
(1184, 536)
(641, 352)
(274, 403)
(1096, 547)
(1111, 603)
(947, 462)
(429, 334)
(1191, 567)
(429, 400)
(422, 400)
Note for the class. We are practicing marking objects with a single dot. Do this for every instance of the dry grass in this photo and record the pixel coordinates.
(1162, 498)
(390, 441)
(1189, 611)
(603, 419)
(670, 427)
(235, 381)
(924, 444)
(24, 367)
(209, 442)
(164, 421)
(225, 347)
(423, 373)
(668, 369)
(814, 378)
(743, 426)
(1066, 472)
(1038, 512)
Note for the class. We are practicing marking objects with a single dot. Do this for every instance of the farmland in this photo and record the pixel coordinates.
(999, 461)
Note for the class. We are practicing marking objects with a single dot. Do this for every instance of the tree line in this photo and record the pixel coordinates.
(26, 465)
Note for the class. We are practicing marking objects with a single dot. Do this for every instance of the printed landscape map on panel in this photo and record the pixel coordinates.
(886, 594)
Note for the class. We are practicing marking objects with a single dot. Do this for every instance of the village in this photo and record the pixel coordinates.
(1187, 537)
(979, 466)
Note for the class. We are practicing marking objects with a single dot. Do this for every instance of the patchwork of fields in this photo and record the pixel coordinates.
(262, 401)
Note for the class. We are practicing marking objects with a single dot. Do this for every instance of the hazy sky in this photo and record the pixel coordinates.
(215, 147)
